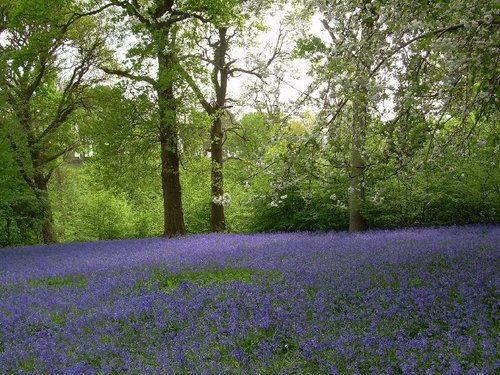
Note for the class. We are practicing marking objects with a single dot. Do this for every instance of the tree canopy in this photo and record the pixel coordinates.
(136, 118)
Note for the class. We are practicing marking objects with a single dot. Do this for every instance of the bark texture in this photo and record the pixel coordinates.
(169, 143)
(217, 177)
(49, 234)
(356, 184)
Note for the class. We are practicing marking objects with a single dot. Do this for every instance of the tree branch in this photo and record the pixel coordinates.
(58, 154)
(132, 9)
(164, 8)
(438, 32)
(126, 74)
(184, 15)
(233, 130)
(76, 16)
(276, 52)
(61, 116)
(327, 27)
(36, 82)
(197, 91)
(247, 71)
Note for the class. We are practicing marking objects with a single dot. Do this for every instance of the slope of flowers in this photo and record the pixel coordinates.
(385, 302)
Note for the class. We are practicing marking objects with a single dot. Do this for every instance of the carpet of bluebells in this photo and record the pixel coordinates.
(423, 301)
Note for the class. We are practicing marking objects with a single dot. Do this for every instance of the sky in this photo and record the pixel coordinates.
(296, 79)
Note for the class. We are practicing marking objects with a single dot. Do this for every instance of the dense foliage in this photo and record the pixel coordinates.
(406, 301)
(122, 119)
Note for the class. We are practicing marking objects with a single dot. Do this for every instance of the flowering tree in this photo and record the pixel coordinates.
(390, 69)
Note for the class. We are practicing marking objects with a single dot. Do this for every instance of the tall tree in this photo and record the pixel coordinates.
(383, 52)
(360, 116)
(44, 87)
(220, 40)
(348, 84)
(216, 109)
(159, 24)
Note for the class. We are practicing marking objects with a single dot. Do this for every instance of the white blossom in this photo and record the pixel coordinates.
(488, 18)
(223, 200)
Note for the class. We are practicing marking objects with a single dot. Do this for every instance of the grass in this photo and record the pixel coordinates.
(58, 281)
(167, 280)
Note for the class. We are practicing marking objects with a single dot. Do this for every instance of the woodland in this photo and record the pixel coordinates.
(142, 118)
(334, 162)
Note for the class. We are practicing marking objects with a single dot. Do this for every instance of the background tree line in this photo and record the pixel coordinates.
(399, 125)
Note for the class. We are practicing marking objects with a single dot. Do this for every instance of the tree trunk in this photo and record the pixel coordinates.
(356, 184)
(173, 215)
(217, 217)
(356, 193)
(170, 161)
(8, 222)
(48, 229)
(38, 182)
(220, 75)
(357, 221)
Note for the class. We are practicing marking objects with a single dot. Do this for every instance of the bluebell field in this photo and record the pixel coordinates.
(412, 301)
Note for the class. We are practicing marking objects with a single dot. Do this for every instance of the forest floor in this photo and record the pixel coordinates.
(402, 301)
